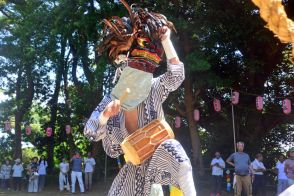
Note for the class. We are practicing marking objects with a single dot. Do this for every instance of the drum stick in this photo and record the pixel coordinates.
(103, 120)
(125, 95)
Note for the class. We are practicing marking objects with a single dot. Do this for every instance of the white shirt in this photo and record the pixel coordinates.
(64, 167)
(89, 164)
(17, 170)
(257, 165)
(217, 171)
(280, 167)
(42, 167)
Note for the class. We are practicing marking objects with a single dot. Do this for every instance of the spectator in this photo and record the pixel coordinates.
(241, 162)
(76, 172)
(63, 175)
(258, 178)
(6, 171)
(17, 175)
(33, 176)
(89, 168)
(289, 167)
(42, 172)
(282, 178)
(217, 164)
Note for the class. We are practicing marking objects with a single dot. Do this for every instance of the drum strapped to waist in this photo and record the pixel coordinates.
(141, 144)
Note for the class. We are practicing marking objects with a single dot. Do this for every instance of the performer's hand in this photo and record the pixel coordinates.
(112, 109)
(164, 33)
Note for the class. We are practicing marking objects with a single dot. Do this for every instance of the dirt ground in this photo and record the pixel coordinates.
(100, 188)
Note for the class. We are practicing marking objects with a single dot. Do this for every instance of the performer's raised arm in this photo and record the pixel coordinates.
(175, 74)
(95, 129)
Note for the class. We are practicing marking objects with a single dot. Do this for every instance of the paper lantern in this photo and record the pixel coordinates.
(217, 105)
(196, 115)
(287, 106)
(48, 131)
(259, 103)
(7, 126)
(178, 122)
(28, 130)
(235, 98)
(68, 129)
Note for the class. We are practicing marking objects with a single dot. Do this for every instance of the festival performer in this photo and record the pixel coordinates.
(136, 44)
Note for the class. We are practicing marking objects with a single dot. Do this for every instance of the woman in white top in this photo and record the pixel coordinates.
(5, 170)
(282, 178)
(17, 175)
(42, 172)
(63, 175)
(89, 168)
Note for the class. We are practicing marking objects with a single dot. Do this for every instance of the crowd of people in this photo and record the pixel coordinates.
(249, 176)
(13, 176)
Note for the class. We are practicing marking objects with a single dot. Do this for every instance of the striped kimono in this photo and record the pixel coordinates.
(168, 163)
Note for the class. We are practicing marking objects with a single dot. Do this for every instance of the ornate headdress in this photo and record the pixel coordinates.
(136, 36)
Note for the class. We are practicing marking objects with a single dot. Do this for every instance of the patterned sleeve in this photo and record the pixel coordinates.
(94, 130)
(113, 150)
(169, 81)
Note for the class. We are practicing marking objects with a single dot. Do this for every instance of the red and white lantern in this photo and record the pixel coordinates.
(68, 129)
(287, 106)
(7, 125)
(235, 97)
(48, 131)
(178, 122)
(28, 130)
(217, 105)
(196, 115)
(259, 103)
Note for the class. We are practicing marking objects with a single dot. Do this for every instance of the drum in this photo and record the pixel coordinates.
(141, 145)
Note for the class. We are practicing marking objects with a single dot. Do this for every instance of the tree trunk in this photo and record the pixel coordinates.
(53, 106)
(197, 161)
(70, 140)
(17, 137)
(24, 96)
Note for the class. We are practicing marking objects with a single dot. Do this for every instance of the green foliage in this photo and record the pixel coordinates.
(28, 154)
(197, 62)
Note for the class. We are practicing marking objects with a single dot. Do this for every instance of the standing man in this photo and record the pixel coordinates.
(76, 172)
(17, 175)
(89, 168)
(241, 162)
(217, 165)
(289, 167)
(63, 175)
(282, 178)
(258, 178)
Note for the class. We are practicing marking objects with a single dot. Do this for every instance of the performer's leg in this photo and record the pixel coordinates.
(125, 184)
(170, 165)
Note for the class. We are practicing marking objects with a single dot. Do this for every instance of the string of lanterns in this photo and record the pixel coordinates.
(286, 106)
(28, 129)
